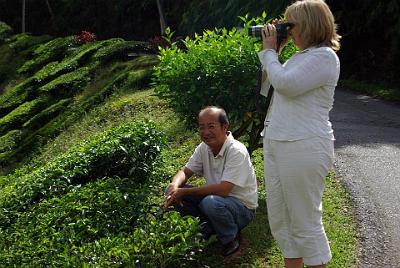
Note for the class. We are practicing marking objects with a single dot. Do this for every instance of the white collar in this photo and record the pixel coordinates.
(228, 141)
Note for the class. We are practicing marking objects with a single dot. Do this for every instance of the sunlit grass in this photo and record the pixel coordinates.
(383, 91)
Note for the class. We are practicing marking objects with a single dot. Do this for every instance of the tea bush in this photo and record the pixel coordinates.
(48, 123)
(99, 209)
(101, 221)
(21, 114)
(26, 43)
(69, 84)
(127, 151)
(169, 241)
(78, 57)
(10, 140)
(219, 68)
(121, 50)
(129, 78)
(41, 118)
(68, 234)
(68, 78)
(15, 96)
(5, 31)
(51, 51)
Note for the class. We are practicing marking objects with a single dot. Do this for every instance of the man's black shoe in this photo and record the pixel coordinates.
(231, 247)
(207, 231)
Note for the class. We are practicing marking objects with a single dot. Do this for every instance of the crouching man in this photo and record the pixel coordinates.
(227, 202)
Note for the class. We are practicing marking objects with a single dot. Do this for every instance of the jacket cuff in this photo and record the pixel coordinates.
(266, 56)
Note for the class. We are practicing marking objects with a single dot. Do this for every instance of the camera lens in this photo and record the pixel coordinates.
(255, 31)
(281, 29)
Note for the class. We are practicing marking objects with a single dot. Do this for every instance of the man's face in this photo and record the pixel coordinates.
(211, 131)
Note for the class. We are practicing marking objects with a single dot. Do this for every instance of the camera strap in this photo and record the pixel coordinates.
(262, 104)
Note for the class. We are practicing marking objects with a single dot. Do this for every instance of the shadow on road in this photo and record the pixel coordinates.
(365, 121)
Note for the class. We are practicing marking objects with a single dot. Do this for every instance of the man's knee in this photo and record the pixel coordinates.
(211, 204)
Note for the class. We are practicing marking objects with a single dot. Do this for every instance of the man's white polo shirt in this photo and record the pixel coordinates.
(231, 164)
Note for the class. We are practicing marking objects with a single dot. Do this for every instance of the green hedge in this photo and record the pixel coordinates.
(80, 56)
(51, 51)
(218, 68)
(64, 224)
(69, 84)
(127, 151)
(16, 118)
(41, 118)
(10, 140)
(26, 43)
(121, 50)
(15, 96)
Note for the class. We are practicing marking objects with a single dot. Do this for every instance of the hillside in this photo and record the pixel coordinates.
(86, 150)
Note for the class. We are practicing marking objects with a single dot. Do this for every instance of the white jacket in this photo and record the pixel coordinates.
(304, 90)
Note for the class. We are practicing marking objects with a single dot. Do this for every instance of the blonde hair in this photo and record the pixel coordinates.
(316, 23)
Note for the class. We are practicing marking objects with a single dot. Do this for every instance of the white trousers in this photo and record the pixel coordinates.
(295, 173)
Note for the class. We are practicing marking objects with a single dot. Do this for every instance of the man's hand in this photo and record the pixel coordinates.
(178, 180)
(169, 200)
(174, 197)
(178, 195)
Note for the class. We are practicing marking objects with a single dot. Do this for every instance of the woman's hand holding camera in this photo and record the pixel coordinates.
(270, 35)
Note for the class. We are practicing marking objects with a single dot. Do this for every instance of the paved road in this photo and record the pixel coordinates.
(368, 160)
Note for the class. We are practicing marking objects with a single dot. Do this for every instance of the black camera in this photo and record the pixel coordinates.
(281, 29)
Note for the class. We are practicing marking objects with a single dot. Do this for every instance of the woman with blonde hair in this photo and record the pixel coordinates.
(298, 136)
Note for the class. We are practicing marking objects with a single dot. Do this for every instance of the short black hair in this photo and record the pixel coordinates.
(222, 116)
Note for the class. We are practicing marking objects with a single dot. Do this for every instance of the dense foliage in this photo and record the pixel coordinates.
(98, 202)
(93, 205)
(214, 70)
(219, 67)
(127, 151)
(49, 75)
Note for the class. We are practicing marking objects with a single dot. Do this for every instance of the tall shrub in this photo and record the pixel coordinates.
(219, 67)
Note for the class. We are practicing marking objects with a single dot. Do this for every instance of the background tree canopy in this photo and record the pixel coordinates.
(370, 28)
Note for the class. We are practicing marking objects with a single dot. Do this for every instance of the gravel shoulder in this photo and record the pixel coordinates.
(367, 151)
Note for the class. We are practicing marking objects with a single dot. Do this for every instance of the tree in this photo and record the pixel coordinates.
(52, 17)
(160, 8)
(23, 16)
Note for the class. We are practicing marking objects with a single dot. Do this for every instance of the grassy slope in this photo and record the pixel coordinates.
(127, 104)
